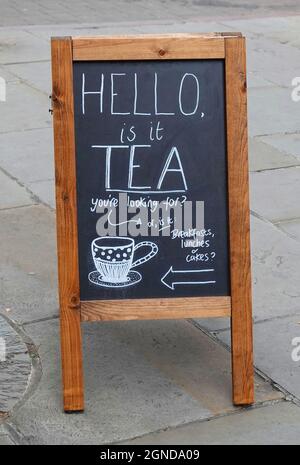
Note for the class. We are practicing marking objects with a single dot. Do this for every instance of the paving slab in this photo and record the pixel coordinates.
(213, 325)
(97, 10)
(126, 27)
(182, 27)
(275, 425)
(288, 36)
(28, 155)
(139, 377)
(19, 46)
(272, 111)
(276, 271)
(275, 194)
(124, 393)
(265, 54)
(265, 57)
(263, 156)
(28, 279)
(271, 42)
(90, 29)
(292, 228)
(288, 144)
(44, 190)
(9, 77)
(255, 80)
(284, 30)
(266, 26)
(25, 108)
(274, 349)
(283, 79)
(36, 75)
(12, 194)
(15, 366)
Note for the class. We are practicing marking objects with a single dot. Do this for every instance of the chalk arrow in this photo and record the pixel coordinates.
(137, 222)
(174, 278)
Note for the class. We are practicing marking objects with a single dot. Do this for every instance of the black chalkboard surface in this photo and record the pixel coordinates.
(151, 179)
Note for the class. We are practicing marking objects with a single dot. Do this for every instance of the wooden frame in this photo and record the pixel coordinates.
(231, 48)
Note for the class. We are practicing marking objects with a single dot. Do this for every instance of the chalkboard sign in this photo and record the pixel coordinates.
(151, 179)
(152, 194)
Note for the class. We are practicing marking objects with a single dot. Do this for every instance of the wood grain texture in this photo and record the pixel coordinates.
(149, 47)
(239, 221)
(65, 178)
(155, 309)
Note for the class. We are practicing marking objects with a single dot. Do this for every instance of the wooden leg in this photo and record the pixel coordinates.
(242, 358)
(239, 221)
(66, 212)
(71, 351)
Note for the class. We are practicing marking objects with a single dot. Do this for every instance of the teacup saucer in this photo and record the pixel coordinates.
(133, 277)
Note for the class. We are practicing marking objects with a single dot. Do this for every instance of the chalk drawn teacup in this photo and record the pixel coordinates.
(113, 257)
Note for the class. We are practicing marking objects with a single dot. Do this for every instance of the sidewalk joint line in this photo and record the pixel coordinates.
(277, 168)
(24, 62)
(16, 131)
(284, 133)
(258, 322)
(238, 411)
(18, 206)
(274, 224)
(34, 197)
(40, 320)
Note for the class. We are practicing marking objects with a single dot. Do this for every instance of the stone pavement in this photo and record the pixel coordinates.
(146, 382)
(28, 12)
